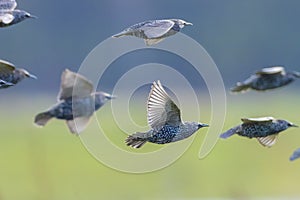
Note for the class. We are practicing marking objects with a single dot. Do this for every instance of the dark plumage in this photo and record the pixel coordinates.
(154, 31)
(265, 129)
(10, 75)
(164, 119)
(9, 16)
(266, 79)
(76, 102)
(295, 155)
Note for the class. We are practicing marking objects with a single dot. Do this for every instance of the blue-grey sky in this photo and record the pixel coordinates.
(241, 36)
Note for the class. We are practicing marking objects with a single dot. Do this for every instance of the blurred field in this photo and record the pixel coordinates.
(50, 163)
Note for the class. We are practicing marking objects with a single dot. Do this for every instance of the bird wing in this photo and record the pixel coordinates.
(6, 18)
(161, 109)
(71, 80)
(7, 5)
(6, 68)
(271, 71)
(295, 155)
(157, 28)
(78, 124)
(257, 120)
(268, 141)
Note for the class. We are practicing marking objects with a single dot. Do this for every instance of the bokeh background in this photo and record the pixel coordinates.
(240, 36)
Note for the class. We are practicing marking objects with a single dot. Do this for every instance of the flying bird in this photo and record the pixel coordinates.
(76, 102)
(9, 15)
(265, 129)
(266, 79)
(10, 75)
(164, 119)
(295, 155)
(154, 31)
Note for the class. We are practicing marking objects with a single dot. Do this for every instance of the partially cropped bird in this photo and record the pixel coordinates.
(164, 119)
(9, 15)
(295, 155)
(76, 102)
(265, 129)
(10, 75)
(154, 31)
(266, 79)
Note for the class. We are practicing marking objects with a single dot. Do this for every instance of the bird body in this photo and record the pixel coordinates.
(154, 31)
(164, 119)
(76, 102)
(265, 129)
(266, 79)
(10, 75)
(9, 15)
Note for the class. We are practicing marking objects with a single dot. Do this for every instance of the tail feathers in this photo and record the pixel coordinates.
(240, 87)
(230, 132)
(136, 140)
(42, 118)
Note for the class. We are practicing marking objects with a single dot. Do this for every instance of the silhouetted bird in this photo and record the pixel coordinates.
(265, 129)
(164, 119)
(295, 155)
(10, 16)
(154, 31)
(10, 75)
(267, 78)
(76, 102)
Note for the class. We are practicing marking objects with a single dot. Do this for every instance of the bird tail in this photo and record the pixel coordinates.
(136, 140)
(239, 87)
(229, 133)
(42, 118)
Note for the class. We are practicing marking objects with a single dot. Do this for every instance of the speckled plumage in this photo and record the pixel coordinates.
(76, 102)
(264, 129)
(164, 119)
(154, 31)
(266, 79)
(295, 155)
(10, 75)
(9, 15)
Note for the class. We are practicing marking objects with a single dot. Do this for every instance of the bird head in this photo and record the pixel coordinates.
(101, 98)
(21, 15)
(181, 23)
(25, 73)
(296, 74)
(285, 123)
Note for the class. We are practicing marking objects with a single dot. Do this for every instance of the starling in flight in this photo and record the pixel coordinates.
(265, 129)
(74, 105)
(164, 119)
(154, 31)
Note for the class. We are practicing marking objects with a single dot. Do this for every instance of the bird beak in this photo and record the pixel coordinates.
(33, 17)
(204, 125)
(188, 24)
(297, 74)
(111, 97)
(294, 125)
(32, 76)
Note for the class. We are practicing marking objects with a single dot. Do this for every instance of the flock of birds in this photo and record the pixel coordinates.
(77, 100)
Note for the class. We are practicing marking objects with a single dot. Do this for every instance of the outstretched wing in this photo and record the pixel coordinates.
(78, 124)
(7, 5)
(74, 85)
(271, 71)
(268, 141)
(161, 109)
(157, 28)
(257, 120)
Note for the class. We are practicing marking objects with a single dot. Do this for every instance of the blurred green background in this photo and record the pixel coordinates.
(241, 36)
